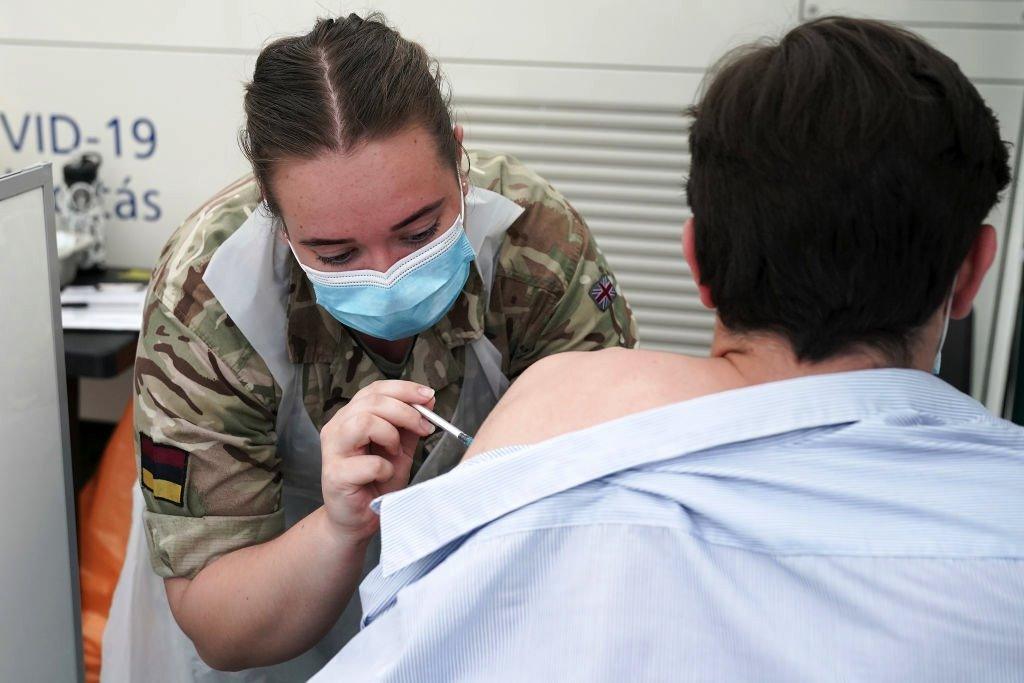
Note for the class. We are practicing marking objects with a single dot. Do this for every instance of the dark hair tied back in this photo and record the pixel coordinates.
(347, 81)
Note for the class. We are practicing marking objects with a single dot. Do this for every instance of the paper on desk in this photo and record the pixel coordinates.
(110, 307)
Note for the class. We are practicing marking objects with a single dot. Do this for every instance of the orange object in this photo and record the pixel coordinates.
(104, 520)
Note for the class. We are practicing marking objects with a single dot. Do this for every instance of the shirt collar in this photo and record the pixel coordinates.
(421, 520)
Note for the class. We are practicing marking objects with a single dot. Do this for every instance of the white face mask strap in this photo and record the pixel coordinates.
(948, 309)
(462, 198)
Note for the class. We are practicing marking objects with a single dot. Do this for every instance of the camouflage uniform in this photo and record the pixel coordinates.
(206, 402)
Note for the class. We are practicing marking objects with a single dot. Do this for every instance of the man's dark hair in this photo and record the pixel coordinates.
(838, 180)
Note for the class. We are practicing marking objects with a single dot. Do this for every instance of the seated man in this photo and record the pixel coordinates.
(809, 503)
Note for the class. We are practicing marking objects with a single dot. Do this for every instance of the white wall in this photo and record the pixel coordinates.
(589, 92)
(116, 70)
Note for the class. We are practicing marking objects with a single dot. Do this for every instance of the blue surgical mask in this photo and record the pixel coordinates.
(410, 297)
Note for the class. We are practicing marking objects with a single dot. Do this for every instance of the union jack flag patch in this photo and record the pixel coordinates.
(603, 293)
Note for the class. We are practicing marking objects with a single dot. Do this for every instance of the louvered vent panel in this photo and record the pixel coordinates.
(623, 169)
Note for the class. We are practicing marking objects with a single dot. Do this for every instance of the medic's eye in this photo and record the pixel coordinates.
(422, 237)
(337, 260)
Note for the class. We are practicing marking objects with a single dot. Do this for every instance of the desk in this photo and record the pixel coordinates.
(96, 355)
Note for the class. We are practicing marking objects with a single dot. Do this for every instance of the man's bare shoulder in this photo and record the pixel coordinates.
(571, 391)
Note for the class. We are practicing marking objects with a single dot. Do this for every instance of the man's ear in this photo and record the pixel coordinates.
(690, 254)
(972, 271)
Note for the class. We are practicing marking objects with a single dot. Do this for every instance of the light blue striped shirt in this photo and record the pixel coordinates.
(863, 526)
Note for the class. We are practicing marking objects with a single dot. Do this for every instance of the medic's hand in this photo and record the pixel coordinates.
(367, 450)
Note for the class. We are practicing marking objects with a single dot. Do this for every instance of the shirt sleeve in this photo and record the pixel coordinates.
(205, 440)
(574, 305)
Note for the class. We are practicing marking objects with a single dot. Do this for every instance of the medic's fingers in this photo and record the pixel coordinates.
(407, 392)
(355, 435)
(398, 413)
(358, 471)
(409, 443)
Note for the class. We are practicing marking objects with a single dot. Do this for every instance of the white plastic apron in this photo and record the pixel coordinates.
(249, 274)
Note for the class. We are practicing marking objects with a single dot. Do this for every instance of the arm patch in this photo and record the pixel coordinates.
(164, 470)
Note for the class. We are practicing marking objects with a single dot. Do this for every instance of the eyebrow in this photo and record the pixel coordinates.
(416, 215)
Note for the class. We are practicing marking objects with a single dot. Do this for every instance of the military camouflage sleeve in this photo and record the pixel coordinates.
(580, 310)
(206, 445)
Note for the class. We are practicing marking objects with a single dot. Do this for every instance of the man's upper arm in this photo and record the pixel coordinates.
(535, 407)
(205, 438)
